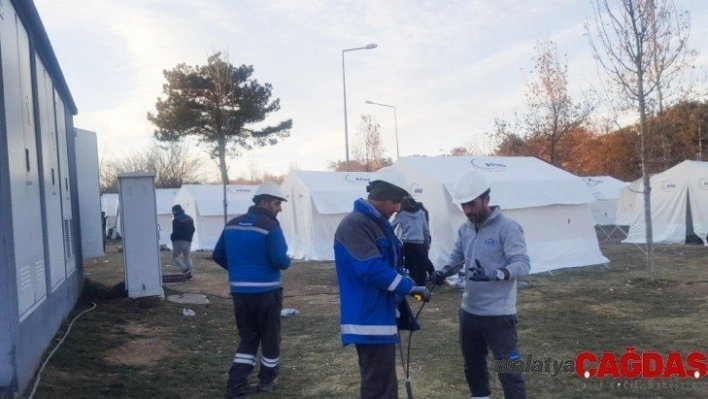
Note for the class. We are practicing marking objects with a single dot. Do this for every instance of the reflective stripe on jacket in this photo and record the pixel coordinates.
(253, 250)
(366, 255)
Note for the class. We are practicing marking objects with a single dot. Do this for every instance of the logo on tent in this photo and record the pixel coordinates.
(356, 179)
(239, 190)
(592, 182)
(488, 166)
(416, 190)
(703, 184)
(668, 186)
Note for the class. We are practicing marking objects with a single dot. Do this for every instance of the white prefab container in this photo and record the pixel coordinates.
(141, 251)
(204, 203)
(40, 259)
(89, 198)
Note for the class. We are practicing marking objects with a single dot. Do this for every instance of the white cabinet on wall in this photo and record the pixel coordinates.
(89, 193)
(65, 183)
(23, 165)
(141, 247)
(52, 176)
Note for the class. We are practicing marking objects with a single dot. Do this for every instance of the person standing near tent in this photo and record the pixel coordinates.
(496, 251)
(252, 249)
(367, 257)
(181, 237)
(415, 235)
(430, 268)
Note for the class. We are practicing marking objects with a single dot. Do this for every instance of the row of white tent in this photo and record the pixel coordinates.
(679, 205)
(552, 205)
(557, 210)
(204, 203)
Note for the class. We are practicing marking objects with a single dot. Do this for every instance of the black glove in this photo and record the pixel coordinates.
(420, 293)
(481, 273)
(439, 276)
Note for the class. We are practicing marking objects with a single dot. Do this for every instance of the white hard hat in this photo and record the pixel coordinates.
(469, 185)
(390, 175)
(270, 189)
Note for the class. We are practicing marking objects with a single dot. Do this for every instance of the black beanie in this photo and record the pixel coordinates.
(381, 191)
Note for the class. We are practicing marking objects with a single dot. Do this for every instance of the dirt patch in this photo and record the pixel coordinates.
(139, 351)
(691, 290)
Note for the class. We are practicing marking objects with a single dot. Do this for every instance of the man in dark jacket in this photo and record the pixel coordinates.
(182, 233)
(252, 249)
(367, 257)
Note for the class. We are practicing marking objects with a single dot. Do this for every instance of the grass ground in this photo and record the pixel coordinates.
(146, 348)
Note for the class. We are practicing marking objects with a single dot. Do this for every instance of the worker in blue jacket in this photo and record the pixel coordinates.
(252, 249)
(367, 258)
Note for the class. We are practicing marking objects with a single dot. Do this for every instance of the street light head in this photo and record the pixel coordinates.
(369, 102)
(370, 46)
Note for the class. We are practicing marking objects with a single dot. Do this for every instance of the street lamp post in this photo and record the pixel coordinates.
(344, 84)
(395, 122)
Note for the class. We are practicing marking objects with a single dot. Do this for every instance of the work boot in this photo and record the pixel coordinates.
(267, 387)
(188, 275)
(239, 391)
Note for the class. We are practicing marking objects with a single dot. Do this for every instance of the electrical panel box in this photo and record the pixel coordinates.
(141, 247)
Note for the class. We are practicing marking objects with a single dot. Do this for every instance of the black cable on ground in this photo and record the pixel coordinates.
(284, 296)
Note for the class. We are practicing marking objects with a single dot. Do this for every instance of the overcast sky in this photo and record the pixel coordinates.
(448, 66)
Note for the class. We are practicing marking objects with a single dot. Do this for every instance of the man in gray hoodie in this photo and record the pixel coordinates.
(495, 251)
(415, 234)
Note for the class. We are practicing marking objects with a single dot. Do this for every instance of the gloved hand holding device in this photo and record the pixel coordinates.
(481, 273)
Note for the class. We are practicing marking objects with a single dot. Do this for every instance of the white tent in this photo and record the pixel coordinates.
(626, 203)
(679, 205)
(606, 190)
(553, 206)
(109, 204)
(204, 203)
(317, 202)
(164, 199)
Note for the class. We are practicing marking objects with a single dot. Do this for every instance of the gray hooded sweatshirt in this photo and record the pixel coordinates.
(498, 243)
(414, 227)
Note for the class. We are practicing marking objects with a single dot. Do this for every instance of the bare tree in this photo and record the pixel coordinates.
(553, 114)
(172, 165)
(479, 144)
(368, 152)
(638, 43)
